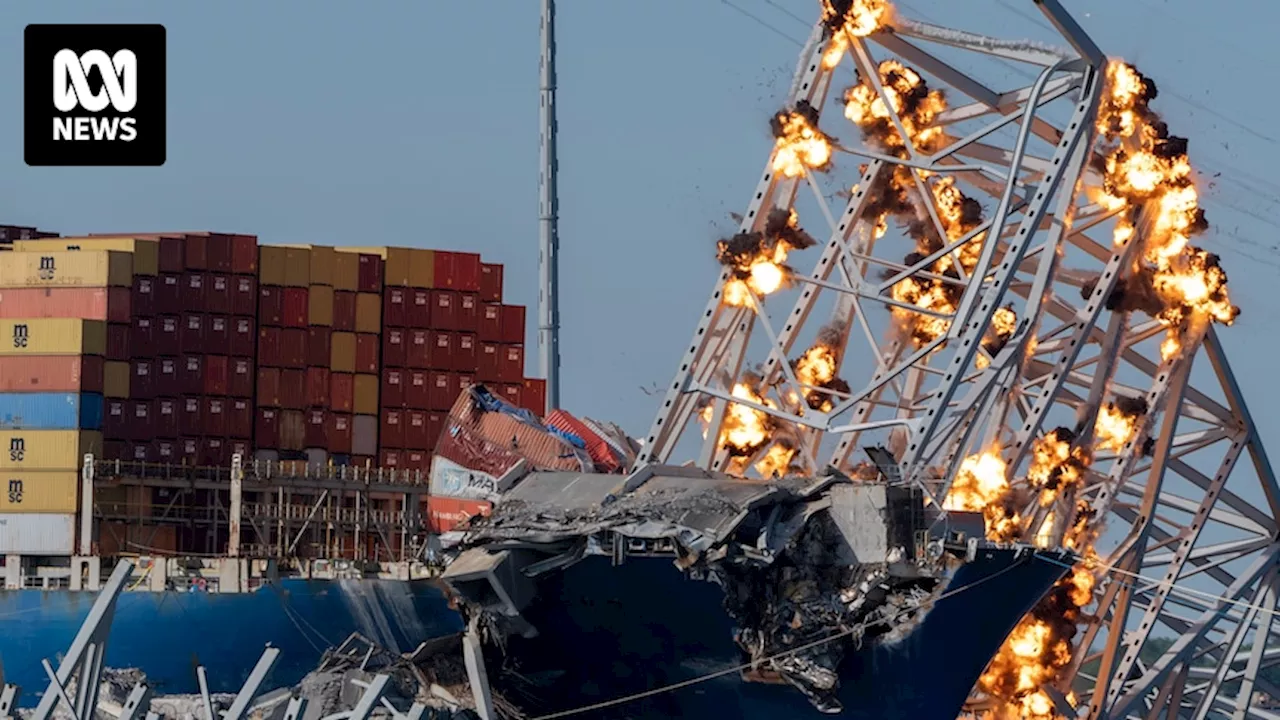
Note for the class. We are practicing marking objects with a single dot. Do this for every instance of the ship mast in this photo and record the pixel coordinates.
(548, 213)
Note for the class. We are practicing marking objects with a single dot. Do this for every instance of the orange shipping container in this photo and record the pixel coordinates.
(342, 352)
(446, 513)
(320, 305)
(321, 263)
(271, 264)
(115, 380)
(422, 268)
(366, 400)
(346, 271)
(51, 373)
(368, 313)
(146, 252)
(297, 267)
(110, 304)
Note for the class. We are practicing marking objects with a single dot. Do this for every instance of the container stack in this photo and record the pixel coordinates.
(284, 279)
(359, 350)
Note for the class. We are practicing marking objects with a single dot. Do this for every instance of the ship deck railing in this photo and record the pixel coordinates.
(262, 471)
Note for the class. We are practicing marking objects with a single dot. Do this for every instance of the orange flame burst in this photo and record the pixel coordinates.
(1057, 466)
(910, 99)
(816, 368)
(799, 144)
(1116, 425)
(746, 430)
(844, 18)
(758, 259)
(981, 485)
(1175, 282)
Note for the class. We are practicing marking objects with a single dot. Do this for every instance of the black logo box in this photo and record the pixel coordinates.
(41, 43)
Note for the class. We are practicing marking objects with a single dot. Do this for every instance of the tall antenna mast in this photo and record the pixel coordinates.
(548, 214)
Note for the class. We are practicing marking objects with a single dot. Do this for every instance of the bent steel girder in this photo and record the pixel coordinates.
(1186, 533)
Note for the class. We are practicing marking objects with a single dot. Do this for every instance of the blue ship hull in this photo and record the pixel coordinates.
(168, 634)
(610, 632)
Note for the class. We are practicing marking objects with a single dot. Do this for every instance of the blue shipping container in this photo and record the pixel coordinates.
(50, 411)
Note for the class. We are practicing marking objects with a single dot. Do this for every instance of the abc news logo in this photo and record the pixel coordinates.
(95, 95)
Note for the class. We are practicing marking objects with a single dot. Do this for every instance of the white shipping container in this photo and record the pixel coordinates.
(37, 534)
(449, 479)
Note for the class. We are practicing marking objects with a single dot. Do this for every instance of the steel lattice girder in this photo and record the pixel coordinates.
(1169, 497)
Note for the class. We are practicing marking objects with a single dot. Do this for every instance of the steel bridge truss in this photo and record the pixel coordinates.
(1188, 542)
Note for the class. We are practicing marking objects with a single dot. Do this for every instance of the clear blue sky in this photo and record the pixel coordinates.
(415, 123)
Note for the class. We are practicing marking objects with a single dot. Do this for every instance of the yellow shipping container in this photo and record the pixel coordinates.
(342, 352)
(297, 267)
(47, 449)
(368, 312)
(346, 271)
(50, 491)
(67, 268)
(115, 380)
(146, 252)
(422, 268)
(366, 400)
(53, 336)
(320, 305)
(272, 261)
(322, 257)
(395, 271)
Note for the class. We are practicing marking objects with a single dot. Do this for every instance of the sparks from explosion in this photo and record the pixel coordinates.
(1115, 427)
(850, 18)
(799, 144)
(1057, 465)
(817, 369)
(746, 430)
(1147, 165)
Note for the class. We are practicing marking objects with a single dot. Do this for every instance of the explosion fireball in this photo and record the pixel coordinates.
(800, 144)
(759, 259)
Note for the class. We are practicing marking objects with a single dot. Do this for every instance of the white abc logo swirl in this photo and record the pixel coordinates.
(119, 81)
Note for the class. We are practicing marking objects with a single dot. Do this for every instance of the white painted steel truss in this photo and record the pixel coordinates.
(1186, 526)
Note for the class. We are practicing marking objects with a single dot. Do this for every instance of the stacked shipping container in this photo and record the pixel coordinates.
(284, 281)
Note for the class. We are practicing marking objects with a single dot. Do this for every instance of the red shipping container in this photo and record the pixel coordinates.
(418, 461)
(367, 353)
(141, 379)
(270, 305)
(344, 311)
(118, 341)
(218, 252)
(51, 373)
(243, 337)
(464, 381)
(511, 363)
(393, 347)
(339, 433)
(442, 389)
(444, 310)
(468, 312)
(140, 334)
(294, 307)
(513, 323)
(217, 334)
(239, 446)
(293, 430)
(464, 355)
(191, 374)
(244, 295)
(213, 452)
(214, 417)
(487, 362)
(416, 389)
(166, 424)
(392, 392)
(268, 388)
(317, 428)
(140, 452)
(293, 389)
(267, 428)
(391, 434)
(115, 425)
(240, 382)
(138, 416)
(168, 292)
(489, 324)
(457, 270)
(418, 350)
(172, 254)
(269, 352)
(435, 425)
(192, 333)
(490, 283)
(293, 348)
(217, 374)
(415, 430)
(441, 350)
(167, 382)
(189, 451)
(319, 346)
(240, 418)
(317, 387)
(142, 298)
(244, 254)
(370, 274)
(391, 459)
(217, 294)
(342, 392)
(193, 292)
(395, 307)
(419, 308)
(535, 396)
(512, 393)
(446, 513)
(165, 451)
(197, 252)
(166, 335)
